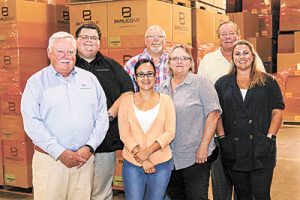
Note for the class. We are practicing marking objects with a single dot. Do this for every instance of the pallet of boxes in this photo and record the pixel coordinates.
(288, 59)
(25, 28)
(123, 25)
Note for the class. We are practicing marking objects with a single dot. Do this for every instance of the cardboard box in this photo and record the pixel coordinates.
(233, 6)
(286, 60)
(289, 15)
(181, 25)
(292, 87)
(123, 55)
(18, 175)
(104, 52)
(90, 12)
(17, 159)
(16, 152)
(118, 180)
(263, 47)
(26, 23)
(247, 22)
(57, 2)
(268, 14)
(292, 110)
(10, 105)
(13, 128)
(220, 4)
(286, 43)
(297, 42)
(62, 18)
(203, 26)
(128, 21)
(17, 65)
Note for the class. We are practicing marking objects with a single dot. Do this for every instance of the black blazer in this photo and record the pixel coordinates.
(246, 146)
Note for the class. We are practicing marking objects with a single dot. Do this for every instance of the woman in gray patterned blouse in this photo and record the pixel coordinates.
(197, 112)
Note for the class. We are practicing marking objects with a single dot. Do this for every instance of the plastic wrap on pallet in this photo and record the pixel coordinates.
(289, 15)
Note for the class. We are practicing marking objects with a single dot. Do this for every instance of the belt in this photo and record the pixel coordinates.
(40, 150)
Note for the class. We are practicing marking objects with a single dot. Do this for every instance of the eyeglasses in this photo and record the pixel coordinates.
(87, 37)
(61, 52)
(148, 74)
(181, 58)
(152, 37)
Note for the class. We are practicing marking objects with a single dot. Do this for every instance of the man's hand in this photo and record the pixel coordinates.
(71, 159)
(85, 153)
(148, 167)
(201, 155)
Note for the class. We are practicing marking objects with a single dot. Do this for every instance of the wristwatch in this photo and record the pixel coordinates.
(110, 117)
(90, 147)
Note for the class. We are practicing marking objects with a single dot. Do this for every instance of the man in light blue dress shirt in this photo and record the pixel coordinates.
(64, 113)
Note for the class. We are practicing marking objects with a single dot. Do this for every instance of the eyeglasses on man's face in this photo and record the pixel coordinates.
(181, 58)
(87, 37)
(148, 74)
(158, 37)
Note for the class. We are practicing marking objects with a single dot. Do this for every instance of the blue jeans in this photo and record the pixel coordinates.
(136, 180)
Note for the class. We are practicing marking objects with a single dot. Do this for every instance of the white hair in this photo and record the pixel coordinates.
(157, 27)
(60, 34)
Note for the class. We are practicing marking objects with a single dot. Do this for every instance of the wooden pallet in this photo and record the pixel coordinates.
(17, 190)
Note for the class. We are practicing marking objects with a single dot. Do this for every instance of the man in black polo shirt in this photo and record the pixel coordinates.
(116, 82)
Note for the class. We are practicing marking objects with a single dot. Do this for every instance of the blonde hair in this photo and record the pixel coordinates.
(257, 77)
(187, 50)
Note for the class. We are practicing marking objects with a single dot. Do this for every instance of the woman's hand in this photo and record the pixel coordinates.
(142, 155)
(136, 149)
(148, 167)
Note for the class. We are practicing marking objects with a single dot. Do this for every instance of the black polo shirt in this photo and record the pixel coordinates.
(114, 81)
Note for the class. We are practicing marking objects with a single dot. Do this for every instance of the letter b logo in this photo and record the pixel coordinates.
(4, 11)
(126, 12)
(87, 15)
(181, 18)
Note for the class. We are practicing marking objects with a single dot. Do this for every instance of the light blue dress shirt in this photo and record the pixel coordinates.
(62, 113)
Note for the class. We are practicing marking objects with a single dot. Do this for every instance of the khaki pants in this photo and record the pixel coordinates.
(54, 181)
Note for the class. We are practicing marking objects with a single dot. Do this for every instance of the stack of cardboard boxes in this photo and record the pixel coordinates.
(25, 29)
(206, 17)
(288, 57)
(258, 22)
(123, 24)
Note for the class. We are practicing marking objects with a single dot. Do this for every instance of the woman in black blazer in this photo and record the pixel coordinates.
(252, 106)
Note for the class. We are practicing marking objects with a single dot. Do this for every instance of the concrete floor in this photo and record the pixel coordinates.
(286, 181)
